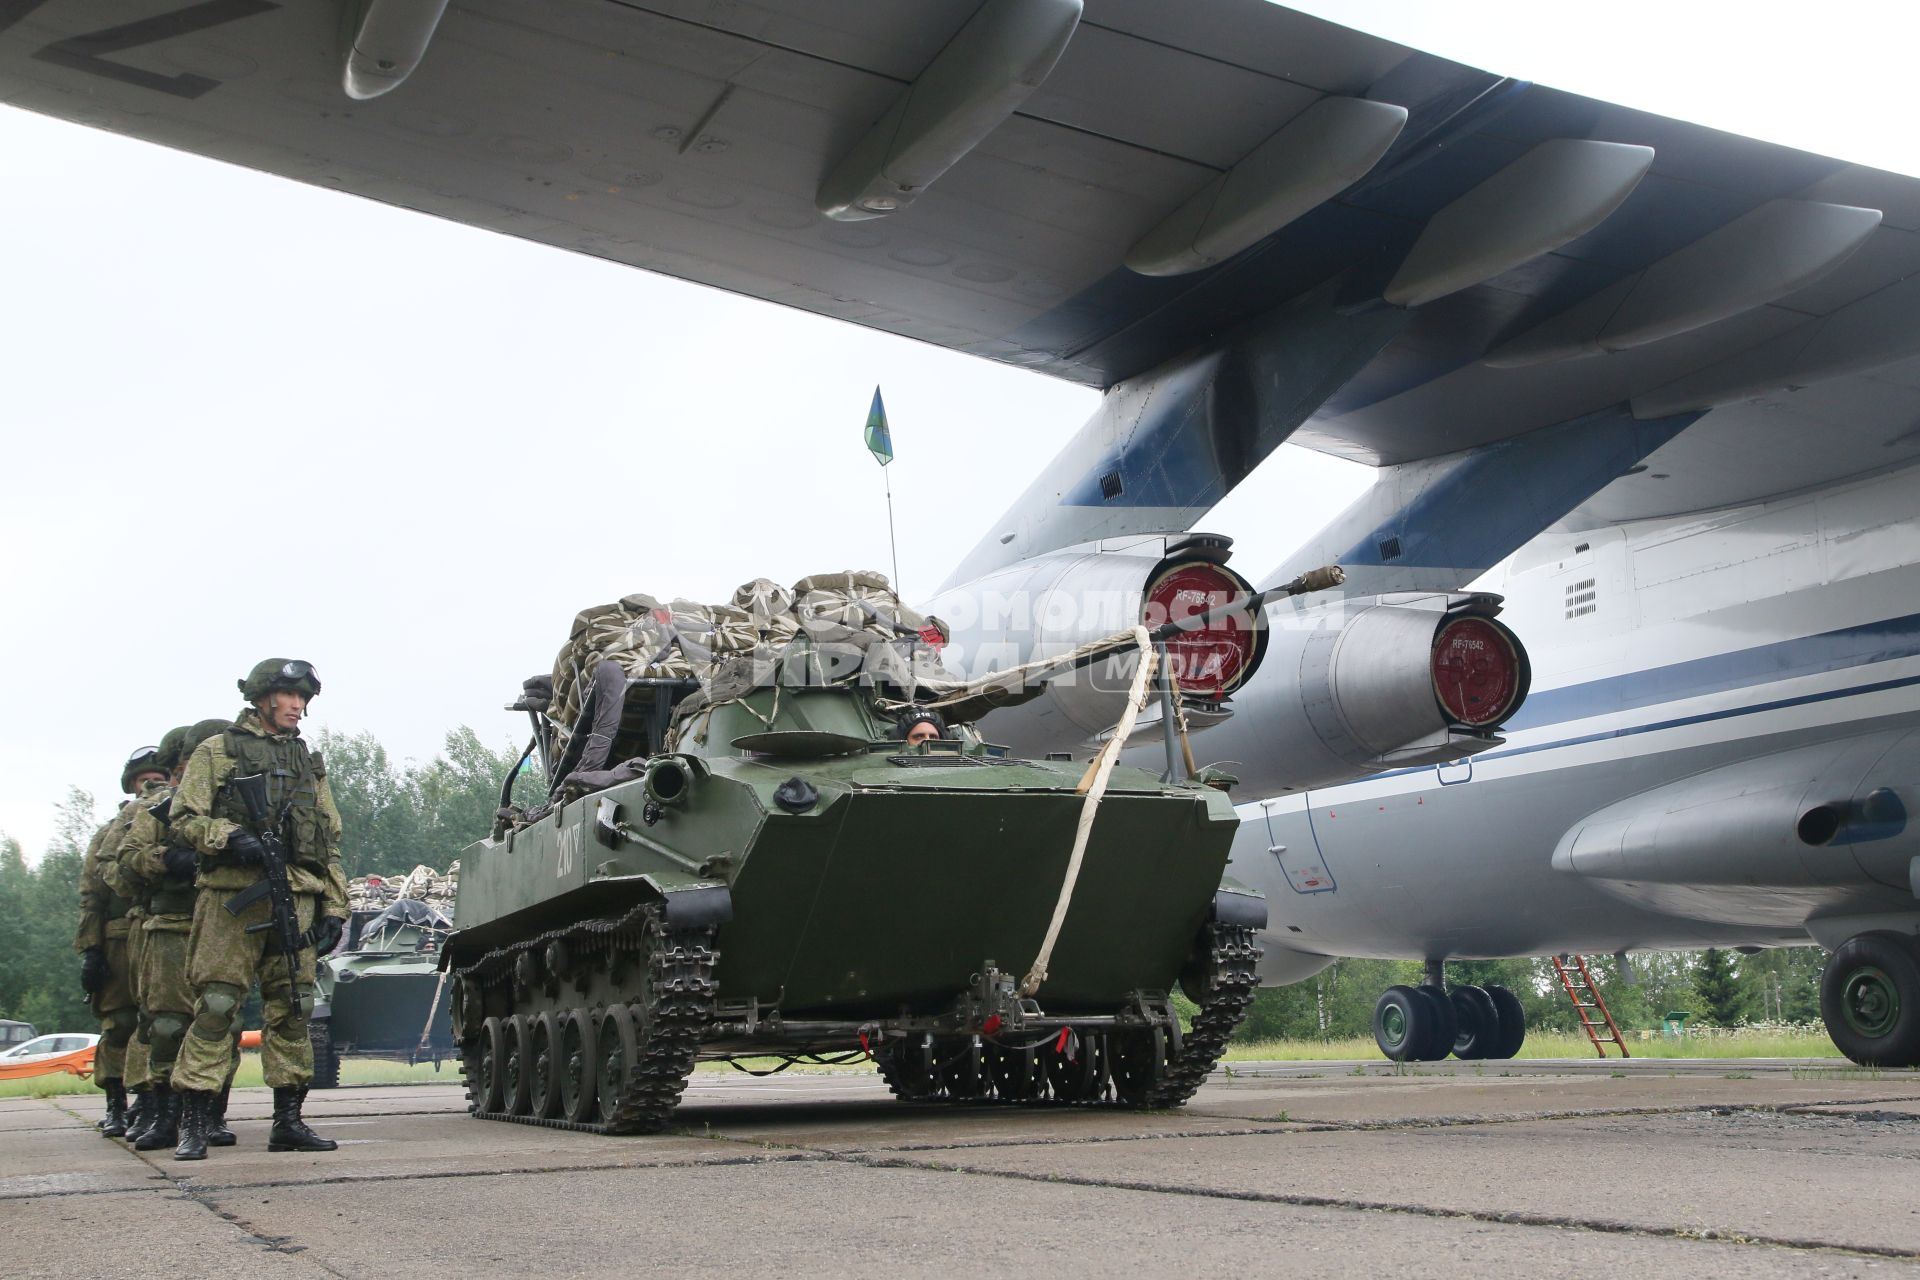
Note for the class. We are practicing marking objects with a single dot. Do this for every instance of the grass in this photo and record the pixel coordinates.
(352, 1071)
(365, 1071)
(1549, 1044)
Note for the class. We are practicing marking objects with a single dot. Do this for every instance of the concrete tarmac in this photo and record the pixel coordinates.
(1654, 1168)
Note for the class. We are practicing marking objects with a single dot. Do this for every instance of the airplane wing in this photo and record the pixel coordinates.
(1429, 258)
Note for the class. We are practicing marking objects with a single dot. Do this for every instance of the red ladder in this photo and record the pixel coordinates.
(1575, 977)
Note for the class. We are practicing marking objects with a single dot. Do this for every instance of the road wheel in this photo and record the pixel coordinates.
(962, 1069)
(514, 1074)
(1513, 1023)
(326, 1063)
(906, 1064)
(1015, 1072)
(1479, 1023)
(1870, 1000)
(545, 1067)
(619, 1054)
(1400, 1023)
(1442, 1026)
(579, 1057)
(1137, 1060)
(493, 1060)
(1073, 1074)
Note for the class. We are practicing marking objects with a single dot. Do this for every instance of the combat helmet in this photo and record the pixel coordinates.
(172, 750)
(188, 740)
(279, 673)
(143, 760)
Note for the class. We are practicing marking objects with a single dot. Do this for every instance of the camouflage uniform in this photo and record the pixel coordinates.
(136, 1071)
(166, 997)
(223, 959)
(104, 924)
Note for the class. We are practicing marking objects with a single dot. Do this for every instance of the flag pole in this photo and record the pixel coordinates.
(892, 545)
(880, 444)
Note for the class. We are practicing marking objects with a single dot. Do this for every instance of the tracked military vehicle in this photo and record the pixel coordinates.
(382, 994)
(771, 872)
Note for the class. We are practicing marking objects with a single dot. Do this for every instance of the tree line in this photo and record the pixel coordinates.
(395, 816)
(1711, 988)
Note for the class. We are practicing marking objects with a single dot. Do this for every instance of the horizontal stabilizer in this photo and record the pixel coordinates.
(971, 86)
(1556, 192)
(1315, 156)
(1760, 256)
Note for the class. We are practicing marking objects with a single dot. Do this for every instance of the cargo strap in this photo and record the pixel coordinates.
(1094, 784)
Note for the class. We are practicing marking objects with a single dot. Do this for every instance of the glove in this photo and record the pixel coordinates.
(244, 849)
(93, 970)
(180, 863)
(327, 933)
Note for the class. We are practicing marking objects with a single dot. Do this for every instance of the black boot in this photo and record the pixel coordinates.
(115, 1124)
(218, 1135)
(290, 1132)
(165, 1129)
(193, 1104)
(139, 1114)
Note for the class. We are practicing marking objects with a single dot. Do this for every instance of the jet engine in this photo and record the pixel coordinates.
(1362, 685)
(1047, 606)
(1300, 695)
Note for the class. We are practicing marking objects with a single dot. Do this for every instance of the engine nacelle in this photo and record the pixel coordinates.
(1363, 685)
(1052, 604)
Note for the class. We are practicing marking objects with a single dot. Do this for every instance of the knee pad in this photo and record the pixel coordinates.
(215, 1009)
(117, 1027)
(166, 1035)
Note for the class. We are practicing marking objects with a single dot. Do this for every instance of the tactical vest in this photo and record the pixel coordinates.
(170, 895)
(293, 791)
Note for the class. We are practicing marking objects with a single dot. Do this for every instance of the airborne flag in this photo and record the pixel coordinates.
(879, 439)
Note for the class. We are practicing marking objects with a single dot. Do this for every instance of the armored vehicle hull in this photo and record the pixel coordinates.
(880, 902)
(384, 994)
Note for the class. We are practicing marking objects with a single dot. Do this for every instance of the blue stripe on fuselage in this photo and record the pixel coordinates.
(1858, 646)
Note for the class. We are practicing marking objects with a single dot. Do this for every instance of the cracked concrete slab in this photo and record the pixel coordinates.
(1792, 1174)
(156, 1233)
(839, 1218)
(24, 1115)
(1810, 1180)
(1425, 1099)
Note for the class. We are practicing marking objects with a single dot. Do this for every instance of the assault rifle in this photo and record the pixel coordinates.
(284, 922)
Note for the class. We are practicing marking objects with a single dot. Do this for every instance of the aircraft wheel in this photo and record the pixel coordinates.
(1400, 1020)
(1442, 1026)
(545, 1065)
(493, 1058)
(1513, 1023)
(1870, 1000)
(579, 1053)
(1479, 1023)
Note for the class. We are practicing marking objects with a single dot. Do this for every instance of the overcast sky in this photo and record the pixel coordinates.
(248, 418)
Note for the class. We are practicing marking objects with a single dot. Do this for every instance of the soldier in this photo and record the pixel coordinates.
(159, 874)
(101, 941)
(208, 816)
(115, 873)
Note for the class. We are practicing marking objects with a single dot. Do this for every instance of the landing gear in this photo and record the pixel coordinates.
(1479, 1024)
(1870, 999)
(1427, 1022)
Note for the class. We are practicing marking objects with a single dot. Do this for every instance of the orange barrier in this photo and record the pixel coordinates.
(78, 1063)
(249, 1039)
